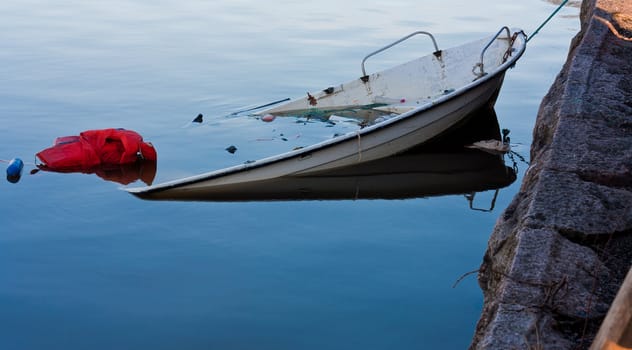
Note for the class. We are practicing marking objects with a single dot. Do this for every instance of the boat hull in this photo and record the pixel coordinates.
(391, 139)
(425, 120)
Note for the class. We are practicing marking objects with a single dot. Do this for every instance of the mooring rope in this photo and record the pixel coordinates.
(547, 20)
(359, 145)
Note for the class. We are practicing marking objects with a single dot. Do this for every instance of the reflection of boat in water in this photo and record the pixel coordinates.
(439, 168)
(403, 176)
(420, 100)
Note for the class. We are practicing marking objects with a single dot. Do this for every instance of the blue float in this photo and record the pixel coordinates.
(14, 170)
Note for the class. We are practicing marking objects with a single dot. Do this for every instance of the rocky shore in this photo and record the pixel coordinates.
(559, 252)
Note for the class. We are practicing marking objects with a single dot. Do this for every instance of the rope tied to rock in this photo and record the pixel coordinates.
(547, 20)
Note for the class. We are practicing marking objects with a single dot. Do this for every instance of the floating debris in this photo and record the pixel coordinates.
(198, 119)
(268, 118)
(231, 149)
(491, 146)
(329, 90)
(336, 119)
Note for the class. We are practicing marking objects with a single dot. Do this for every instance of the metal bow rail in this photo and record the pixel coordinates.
(437, 52)
(480, 64)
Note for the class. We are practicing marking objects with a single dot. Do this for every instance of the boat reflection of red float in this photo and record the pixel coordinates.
(113, 154)
(124, 174)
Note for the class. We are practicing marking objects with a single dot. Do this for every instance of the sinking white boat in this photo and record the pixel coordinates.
(414, 102)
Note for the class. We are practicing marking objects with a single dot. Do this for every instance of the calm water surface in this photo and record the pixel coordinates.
(84, 265)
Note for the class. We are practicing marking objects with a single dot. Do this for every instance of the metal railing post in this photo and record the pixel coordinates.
(434, 42)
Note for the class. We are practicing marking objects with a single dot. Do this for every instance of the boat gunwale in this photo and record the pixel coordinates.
(302, 152)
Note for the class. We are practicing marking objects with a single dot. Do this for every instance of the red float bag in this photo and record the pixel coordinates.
(97, 147)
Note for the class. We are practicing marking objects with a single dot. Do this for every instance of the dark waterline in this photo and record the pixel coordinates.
(85, 265)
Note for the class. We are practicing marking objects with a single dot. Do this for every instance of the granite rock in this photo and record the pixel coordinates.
(560, 250)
